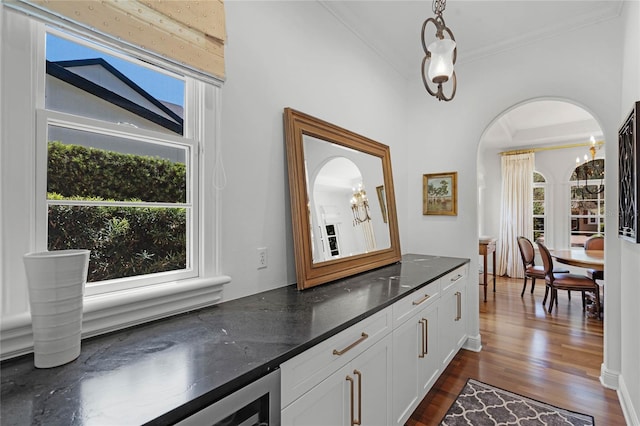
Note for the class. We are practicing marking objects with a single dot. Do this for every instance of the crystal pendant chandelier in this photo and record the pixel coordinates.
(590, 169)
(360, 206)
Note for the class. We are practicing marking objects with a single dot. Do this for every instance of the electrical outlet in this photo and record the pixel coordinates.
(262, 257)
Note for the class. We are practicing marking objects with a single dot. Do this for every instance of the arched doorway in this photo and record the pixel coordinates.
(557, 131)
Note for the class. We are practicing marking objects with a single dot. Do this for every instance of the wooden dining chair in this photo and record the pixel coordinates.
(566, 281)
(531, 270)
(596, 242)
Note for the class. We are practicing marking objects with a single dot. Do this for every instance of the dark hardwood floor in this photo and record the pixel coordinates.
(553, 358)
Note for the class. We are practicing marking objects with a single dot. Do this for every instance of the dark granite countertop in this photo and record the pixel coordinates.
(162, 371)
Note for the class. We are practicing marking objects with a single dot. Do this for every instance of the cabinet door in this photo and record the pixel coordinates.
(406, 352)
(360, 391)
(451, 322)
(416, 362)
(460, 331)
(374, 367)
(429, 363)
(325, 404)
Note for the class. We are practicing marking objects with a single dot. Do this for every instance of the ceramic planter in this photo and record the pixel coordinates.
(56, 282)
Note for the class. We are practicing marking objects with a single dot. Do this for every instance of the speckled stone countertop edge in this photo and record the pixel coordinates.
(207, 353)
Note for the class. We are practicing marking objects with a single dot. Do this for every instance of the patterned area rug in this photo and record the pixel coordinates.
(480, 404)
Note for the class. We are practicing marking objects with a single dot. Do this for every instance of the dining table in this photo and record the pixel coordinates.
(590, 259)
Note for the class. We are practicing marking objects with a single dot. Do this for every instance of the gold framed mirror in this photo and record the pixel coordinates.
(339, 226)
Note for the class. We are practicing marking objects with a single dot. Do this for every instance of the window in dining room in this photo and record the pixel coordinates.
(587, 208)
(539, 215)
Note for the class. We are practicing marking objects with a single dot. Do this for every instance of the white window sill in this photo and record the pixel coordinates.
(114, 311)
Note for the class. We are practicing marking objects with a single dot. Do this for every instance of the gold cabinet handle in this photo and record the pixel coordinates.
(362, 338)
(354, 421)
(459, 305)
(426, 336)
(456, 278)
(421, 300)
(422, 351)
(359, 420)
(350, 380)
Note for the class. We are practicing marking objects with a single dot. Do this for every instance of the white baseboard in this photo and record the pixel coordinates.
(630, 412)
(609, 378)
(473, 343)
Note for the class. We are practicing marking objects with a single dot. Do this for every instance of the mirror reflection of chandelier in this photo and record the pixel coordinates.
(590, 169)
(360, 206)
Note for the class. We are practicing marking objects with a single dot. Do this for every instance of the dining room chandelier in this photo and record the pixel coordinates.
(360, 206)
(439, 55)
(590, 169)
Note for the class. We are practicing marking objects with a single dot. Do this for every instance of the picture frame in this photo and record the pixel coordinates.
(382, 201)
(440, 194)
(629, 177)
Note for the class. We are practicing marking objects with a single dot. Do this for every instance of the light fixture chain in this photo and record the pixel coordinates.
(438, 6)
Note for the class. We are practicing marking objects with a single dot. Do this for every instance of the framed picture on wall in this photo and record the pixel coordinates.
(440, 194)
(629, 178)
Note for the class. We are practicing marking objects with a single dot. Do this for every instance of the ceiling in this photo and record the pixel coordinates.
(541, 123)
(483, 28)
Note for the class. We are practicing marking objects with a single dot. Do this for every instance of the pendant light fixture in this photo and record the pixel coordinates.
(440, 55)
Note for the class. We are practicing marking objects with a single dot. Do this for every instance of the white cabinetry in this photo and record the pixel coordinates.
(325, 404)
(416, 361)
(451, 315)
(357, 389)
(377, 371)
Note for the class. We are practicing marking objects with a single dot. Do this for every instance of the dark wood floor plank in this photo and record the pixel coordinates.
(553, 358)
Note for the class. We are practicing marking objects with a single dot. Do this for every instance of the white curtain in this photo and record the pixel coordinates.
(516, 214)
(369, 237)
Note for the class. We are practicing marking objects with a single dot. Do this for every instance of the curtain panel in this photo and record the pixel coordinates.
(189, 32)
(516, 215)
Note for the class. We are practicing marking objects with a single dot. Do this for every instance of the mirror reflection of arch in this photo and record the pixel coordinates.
(344, 219)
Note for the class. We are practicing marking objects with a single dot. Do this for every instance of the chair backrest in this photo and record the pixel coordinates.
(547, 261)
(594, 243)
(526, 251)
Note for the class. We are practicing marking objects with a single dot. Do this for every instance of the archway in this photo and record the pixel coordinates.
(557, 131)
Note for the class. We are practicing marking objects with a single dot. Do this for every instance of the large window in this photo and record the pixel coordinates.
(539, 215)
(106, 147)
(587, 201)
(121, 175)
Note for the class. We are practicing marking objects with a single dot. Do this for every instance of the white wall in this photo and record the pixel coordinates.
(582, 66)
(629, 259)
(292, 54)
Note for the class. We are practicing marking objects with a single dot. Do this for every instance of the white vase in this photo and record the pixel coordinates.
(56, 289)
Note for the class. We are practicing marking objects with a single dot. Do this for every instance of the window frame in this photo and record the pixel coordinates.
(597, 219)
(46, 118)
(544, 187)
(22, 82)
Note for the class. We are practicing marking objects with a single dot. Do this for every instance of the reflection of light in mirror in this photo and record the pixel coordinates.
(361, 217)
(343, 221)
(331, 196)
(134, 384)
(360, 205)
(333, 145)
